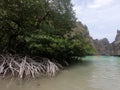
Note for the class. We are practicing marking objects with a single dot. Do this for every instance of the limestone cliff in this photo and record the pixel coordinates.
(117, 36)
(83, 31)
(116, 44)
(103, 47)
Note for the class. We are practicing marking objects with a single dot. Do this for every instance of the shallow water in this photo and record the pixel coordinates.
(93, 73)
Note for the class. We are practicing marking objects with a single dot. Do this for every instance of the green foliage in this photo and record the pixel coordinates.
(25, 17)
(18, 19)
(61, 49)
(38, 27)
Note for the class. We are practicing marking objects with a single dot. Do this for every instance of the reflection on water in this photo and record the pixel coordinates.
(93, 73)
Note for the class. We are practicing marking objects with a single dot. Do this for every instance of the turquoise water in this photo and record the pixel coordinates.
(93, 73)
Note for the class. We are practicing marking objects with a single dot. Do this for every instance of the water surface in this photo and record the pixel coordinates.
(93, 73)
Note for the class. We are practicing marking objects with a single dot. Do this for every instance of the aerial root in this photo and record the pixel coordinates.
(27, 67)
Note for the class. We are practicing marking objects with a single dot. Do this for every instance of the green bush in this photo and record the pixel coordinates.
(61, 49)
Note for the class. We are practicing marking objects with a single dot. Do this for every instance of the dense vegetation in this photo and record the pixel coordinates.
(40, 28)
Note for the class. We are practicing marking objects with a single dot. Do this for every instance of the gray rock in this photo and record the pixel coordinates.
(117, 36)
(103, 47)
(116, 44)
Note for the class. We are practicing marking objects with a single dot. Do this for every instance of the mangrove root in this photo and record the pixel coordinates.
(16, 65)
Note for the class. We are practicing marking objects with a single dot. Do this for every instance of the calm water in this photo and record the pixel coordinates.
(94, 73)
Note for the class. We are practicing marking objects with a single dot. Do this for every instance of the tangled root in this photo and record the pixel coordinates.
(27, 67)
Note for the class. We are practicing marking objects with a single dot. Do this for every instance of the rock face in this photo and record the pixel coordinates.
(117, 36)
(103, 47)
(83, 31)
(116, 44)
